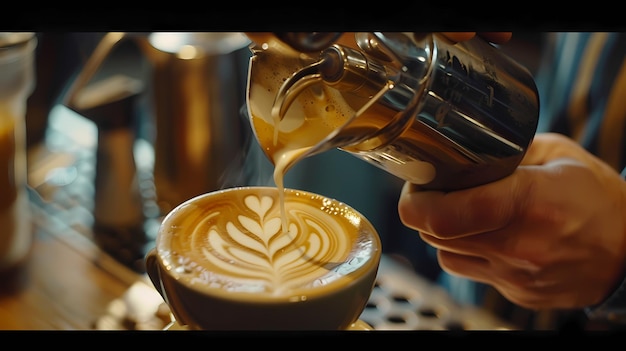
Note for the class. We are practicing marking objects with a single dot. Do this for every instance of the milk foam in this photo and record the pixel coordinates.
(316, 113)
(241, 247)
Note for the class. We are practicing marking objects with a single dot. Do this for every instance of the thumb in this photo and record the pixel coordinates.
(549, 146)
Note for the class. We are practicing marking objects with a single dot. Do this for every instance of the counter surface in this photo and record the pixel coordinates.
(69, 283)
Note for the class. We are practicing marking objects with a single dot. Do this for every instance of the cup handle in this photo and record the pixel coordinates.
(152, 269)
(154, 273)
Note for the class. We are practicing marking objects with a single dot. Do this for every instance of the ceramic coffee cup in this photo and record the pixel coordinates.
(224, 261)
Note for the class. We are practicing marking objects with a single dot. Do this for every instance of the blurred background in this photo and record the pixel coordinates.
(94, 169)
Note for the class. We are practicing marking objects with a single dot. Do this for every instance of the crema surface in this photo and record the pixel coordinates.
(232, 242)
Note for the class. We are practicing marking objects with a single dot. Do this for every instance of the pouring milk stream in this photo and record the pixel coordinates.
(440, 115)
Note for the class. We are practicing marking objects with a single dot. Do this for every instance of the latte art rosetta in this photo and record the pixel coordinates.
(241, 246)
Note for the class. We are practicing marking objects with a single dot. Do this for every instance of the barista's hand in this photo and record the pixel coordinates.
(551, 235)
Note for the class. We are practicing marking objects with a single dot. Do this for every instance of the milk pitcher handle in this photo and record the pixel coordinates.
(152, 269)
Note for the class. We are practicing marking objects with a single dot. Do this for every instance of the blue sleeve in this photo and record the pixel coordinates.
(613, 308)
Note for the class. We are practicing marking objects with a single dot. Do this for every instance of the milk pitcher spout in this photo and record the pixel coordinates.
(437, 114)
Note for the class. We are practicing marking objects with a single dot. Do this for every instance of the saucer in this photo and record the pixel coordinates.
(358, 325)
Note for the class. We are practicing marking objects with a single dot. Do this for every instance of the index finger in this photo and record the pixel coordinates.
(463, 212)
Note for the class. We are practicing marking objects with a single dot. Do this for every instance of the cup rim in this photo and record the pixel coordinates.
(363, 272)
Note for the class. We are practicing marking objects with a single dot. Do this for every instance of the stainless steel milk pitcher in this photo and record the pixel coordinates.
(440, 115)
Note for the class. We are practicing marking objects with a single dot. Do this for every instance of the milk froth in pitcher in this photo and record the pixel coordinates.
(440, 115)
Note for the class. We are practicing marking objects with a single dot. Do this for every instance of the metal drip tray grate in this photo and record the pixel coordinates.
(402, 300)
